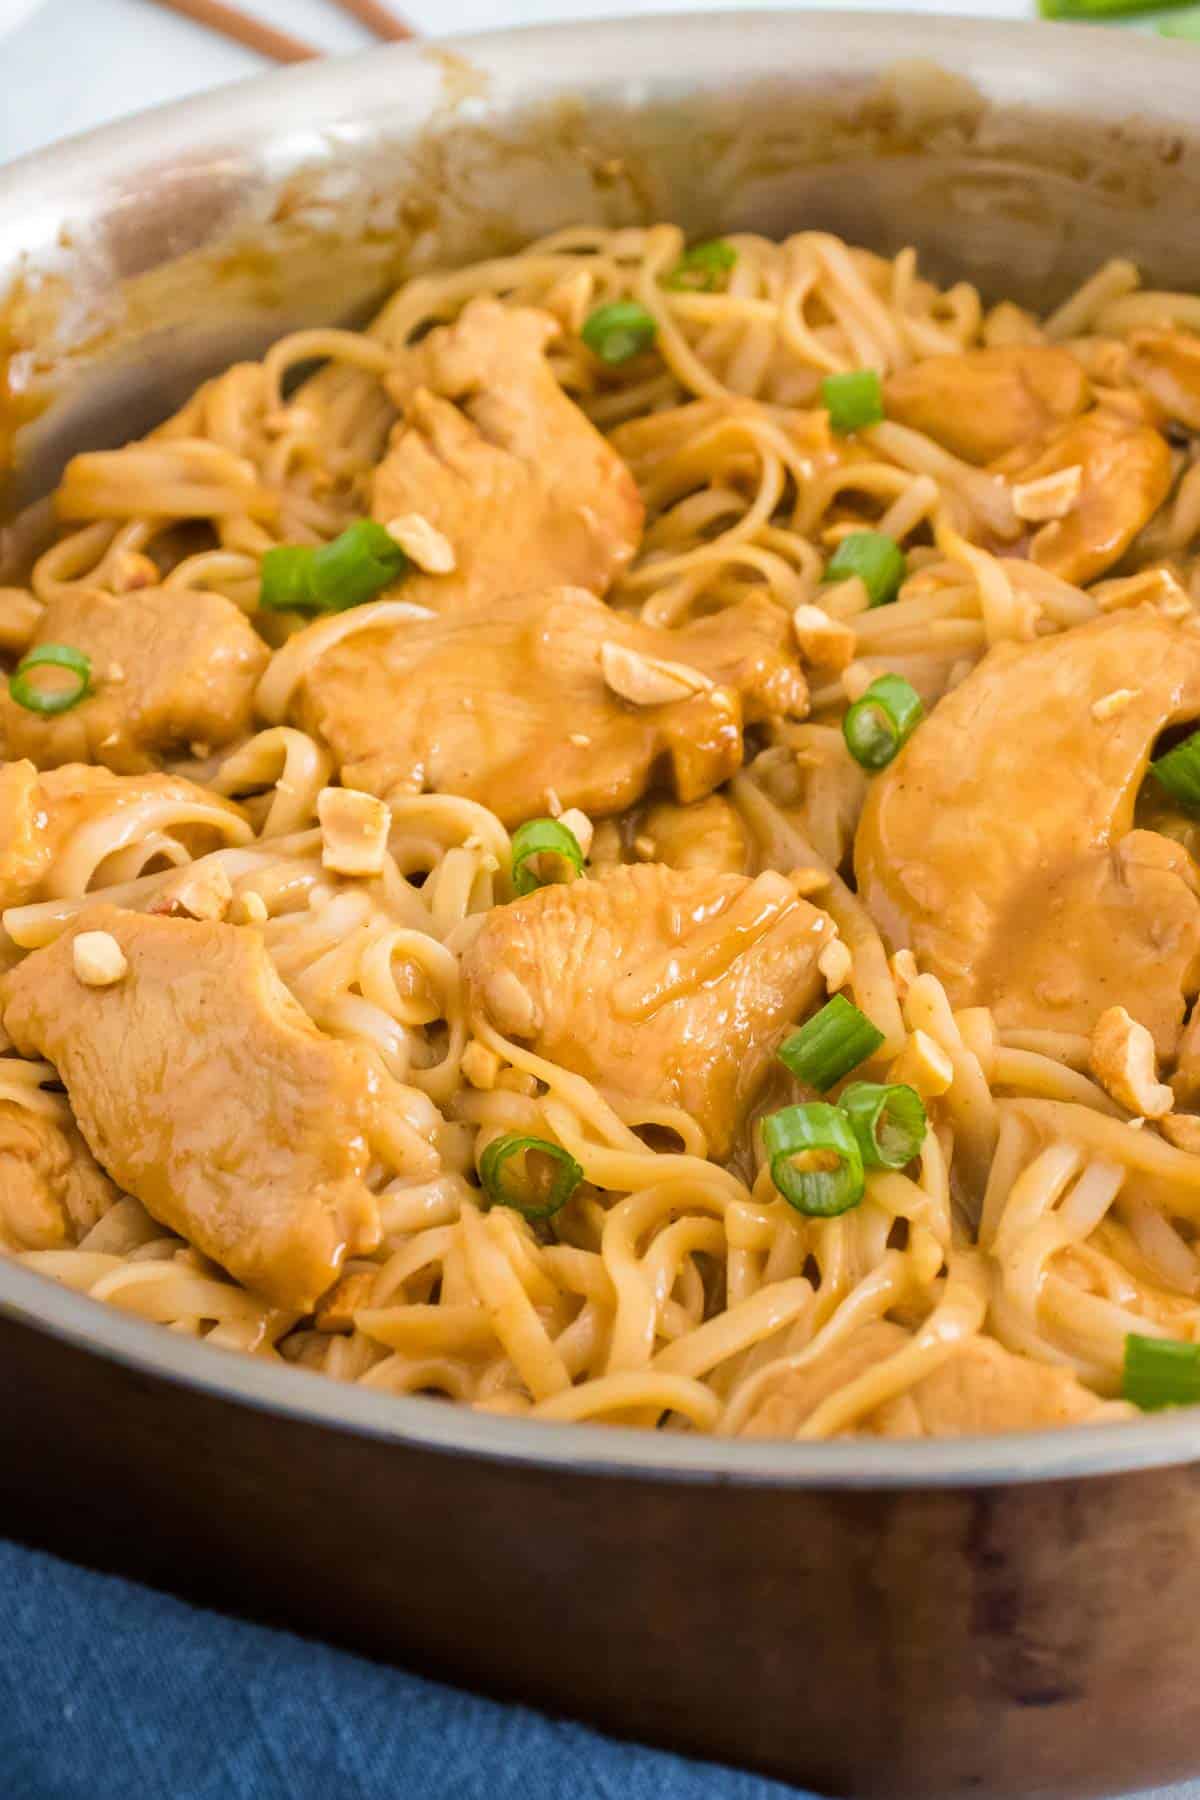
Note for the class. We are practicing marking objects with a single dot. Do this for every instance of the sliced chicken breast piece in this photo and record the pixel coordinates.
(205, 1090)
(664, 984)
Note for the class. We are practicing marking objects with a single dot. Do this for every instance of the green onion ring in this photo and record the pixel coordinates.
(814, 1128)
(542, 837)
(499, 1189)
(52, 656)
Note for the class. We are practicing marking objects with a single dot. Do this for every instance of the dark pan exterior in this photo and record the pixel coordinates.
(983, 1618)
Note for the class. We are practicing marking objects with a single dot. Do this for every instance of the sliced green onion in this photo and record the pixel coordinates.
(1160, 1372)
(702, 267)
(830, 1044)
(815, 1160)
(889, 1122)
(283, 578)
(329, 578)
(1179, 772)
(853, 400)
(617, 332)
(538, 838)
(520, 1187)
(882, 721)
(875, 558)
(355, 566)
(1100, 9)
(51, 700)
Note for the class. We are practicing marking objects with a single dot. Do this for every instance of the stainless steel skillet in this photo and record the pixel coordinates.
(1016, 1615)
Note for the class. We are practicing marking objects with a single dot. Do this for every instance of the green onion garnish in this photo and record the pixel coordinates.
(815, 1160)
(537, 1193)
(889, 1122)
(544, 838)
(1100, 9)
(615, 333)
(875, 558)
(329, 578)
(882, 721)
(830, 1044)
(1179, 772)
(1160, 1372)
(853, 400)
(51, 700)
(702, 267)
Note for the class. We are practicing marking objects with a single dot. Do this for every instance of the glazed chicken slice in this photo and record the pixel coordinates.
(999, 844)
(496, 457)
(983, 404)
(170, 668)
(52, 1190)
(663, 984)
(1124, 476)
(206, 1091)
(56, 828)
(981, 1388)
(543, 694)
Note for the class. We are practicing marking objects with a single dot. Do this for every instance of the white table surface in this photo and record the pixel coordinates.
(78, 63)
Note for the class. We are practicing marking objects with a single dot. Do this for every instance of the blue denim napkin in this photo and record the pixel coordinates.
(109, 1690)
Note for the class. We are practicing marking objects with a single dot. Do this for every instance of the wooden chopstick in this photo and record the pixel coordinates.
(242, 29)
(377, 18)
(281, 46)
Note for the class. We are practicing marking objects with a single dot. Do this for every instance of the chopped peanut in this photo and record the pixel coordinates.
(1182, 1130)
(645, 847)
(1109, 705)
(336, 1312)
(649, 680)
(99, 959)
(1158, 585)
(1049, 497)
(824, 642)
(1123, 1060)
(580, 827)
(354, 831)
(835, 963)
(130, 570)
(200, 891)
(423, 543)
(481, 1066)
(924, 1065)
(856, 679)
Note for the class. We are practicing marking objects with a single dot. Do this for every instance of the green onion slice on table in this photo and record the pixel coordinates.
(703, 268)
(38, 698)
(530, 1174)
(888, 1121)
(881, 722)
(1160, 1372)
(619, 331)
(875, 558)
(830, 1044)
(543, 852)
(814, 1158)
(853, 400)
(351, 569)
